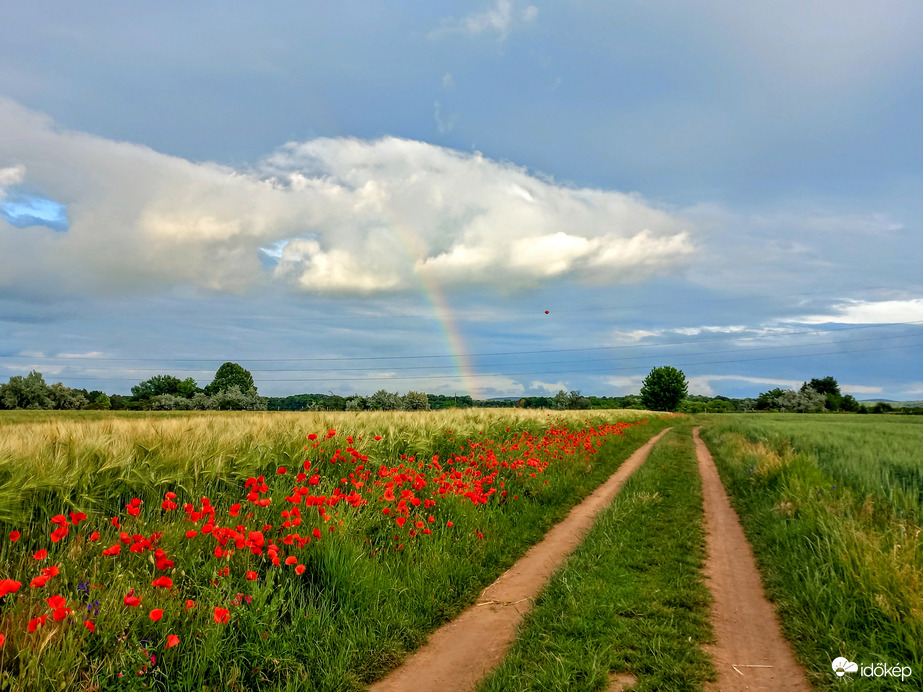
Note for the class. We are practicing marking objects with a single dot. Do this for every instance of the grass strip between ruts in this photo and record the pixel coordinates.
(632, 598)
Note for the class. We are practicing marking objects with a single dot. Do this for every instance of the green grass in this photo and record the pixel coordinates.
(362, 601)
(631, 598)
(830, 508)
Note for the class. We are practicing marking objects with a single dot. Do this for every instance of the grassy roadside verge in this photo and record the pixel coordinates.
(843, 564)
(631, 598)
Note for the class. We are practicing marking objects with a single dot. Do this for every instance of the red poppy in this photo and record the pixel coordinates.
(41, 554)
(316, 534)
(8, 586)
(89, 625)
(52, 571)
(222, 615)
(94, 536)
(377, 437)
(131, 600)
(401, 521)
(192, 533)
(156, 614)
(164, 582)
(14, 536)
(291, 560)
(299, 569)
(172, 640)
(281, 471)
(55, 602)
(190, 604)
(251, 575)
(35, 623)
(38, 582)
(61, 613)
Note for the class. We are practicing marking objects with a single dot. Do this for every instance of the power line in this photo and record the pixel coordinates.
(551, 362)
(540, 372)
(469, 355)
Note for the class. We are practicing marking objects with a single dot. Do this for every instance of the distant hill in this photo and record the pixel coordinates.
(896, 404)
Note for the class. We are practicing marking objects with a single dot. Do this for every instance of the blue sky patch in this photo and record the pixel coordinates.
(26, 210)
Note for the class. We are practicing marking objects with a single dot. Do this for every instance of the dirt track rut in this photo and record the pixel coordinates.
(750, 652)
(462, 652)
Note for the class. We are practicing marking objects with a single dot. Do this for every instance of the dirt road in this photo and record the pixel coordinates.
(750, 652)
(459, 654)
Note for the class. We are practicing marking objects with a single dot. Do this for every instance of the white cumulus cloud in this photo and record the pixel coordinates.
(335, 216)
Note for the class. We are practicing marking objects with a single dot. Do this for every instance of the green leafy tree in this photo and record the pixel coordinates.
(26, 392)
(769, 401)
(664, 389)
(231, 375)
(383, 400)
(155, 386)
(849, 403)
(416, 401)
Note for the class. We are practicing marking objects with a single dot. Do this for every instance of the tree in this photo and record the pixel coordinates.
(231, 375)
(383, 400)
(26, 392)
(849, 403)
(416, 401)
(157, 385)
(805, 401)
(664, 389)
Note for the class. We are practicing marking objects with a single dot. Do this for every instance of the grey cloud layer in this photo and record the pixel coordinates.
(350, 216)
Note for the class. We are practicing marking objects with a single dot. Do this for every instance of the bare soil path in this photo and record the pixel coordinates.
(750, 652)
(462, 652)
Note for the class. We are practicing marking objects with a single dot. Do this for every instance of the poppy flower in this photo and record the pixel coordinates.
(164, 582)
(52, 571)
(291, 560)
(401, 521)
(222, 615)
(55, 602)
(190, 604)
(377, 437)
(156, 614)
(300, 569)
(60, 613)
(131, 600)
(89, 625)
(2, 639)
(316, 534)
(35, 623)
(14, 536)
(41, 554)
(172, 640)
(8, 586)
(38, 582)
(192, 533)
(251, 575)
(281, 471)
(94, 536)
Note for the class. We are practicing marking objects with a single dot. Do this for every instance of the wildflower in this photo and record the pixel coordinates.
(89, 625)
(61, 613)
(131, 600)
(164, 582)
(172, 640)
(281, 471)
(14, 536)
(299, 570)
(38, 582)
(94, 536)
(222, 615)
(8, 586)
(251, 575)
(2, 639)
(35, 623)
(55, 602)
(156, 614)
(190, 604)
(41, 554)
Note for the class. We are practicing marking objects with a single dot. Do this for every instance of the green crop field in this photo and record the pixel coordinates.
(832, 505)
(269, 551)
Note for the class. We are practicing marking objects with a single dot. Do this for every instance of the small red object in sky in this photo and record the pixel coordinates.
(547, 311)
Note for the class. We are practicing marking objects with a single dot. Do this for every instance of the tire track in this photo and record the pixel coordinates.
(750, 652)
(461, 653)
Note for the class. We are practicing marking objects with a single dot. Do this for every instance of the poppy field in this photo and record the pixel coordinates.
(269, 551)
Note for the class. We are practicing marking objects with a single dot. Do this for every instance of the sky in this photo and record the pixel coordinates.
(494, 198)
